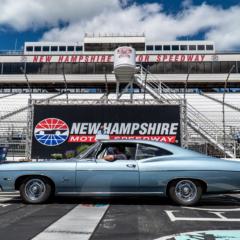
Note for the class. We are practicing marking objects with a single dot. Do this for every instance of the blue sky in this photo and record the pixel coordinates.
(34, 20)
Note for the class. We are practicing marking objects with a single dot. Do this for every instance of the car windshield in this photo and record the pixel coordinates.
(90, 152)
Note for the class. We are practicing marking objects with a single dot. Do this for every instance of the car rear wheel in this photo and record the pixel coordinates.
(185, 192)
(35, 190)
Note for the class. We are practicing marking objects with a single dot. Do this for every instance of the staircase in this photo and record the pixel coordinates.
(195, 120)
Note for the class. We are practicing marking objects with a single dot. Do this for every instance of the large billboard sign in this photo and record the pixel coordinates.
(60, 129)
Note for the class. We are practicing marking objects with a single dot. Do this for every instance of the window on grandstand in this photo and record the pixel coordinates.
(200, 67)
(208, 67)
(216, 67)
(46, 48)
(67, 68)
(12, 68)
(37, 49)
(175, 47)
(192, 47)
(54, 48)
(101, 68)
(33, 68)
(59, 68)
(192, 66)
(79, 48)
(62, 48)
(29, 48)
(70, 48)
(226, 66)
(166, 47)
(209, 47)
(151, 67)
(52, 68)
(149, 47)
(168, 67)
(201, 47)
(160, 67)
(158, 47)
(183, 47)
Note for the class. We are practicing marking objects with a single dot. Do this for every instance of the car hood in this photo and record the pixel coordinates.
(41, 165)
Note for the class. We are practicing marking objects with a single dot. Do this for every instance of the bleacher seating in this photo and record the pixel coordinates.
(14, 126)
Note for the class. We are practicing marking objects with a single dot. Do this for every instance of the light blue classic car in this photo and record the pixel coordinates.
(121, 167)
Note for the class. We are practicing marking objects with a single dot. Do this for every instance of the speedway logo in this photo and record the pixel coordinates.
(51, 132)
(124, 52)
(87, 132)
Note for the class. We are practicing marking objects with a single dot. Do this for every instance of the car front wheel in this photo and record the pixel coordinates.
(35, 190)
(185, 192)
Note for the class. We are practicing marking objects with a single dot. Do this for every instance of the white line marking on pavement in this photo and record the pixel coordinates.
(219, 218)
(79, 223)
(9, 195)
(4, 205)
(213, 209)
(9, 199)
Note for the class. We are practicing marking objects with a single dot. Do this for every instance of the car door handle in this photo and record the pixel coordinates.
(131, 165)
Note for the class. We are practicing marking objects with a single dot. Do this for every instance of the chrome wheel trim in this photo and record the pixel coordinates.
(35, 189)
(186, 190)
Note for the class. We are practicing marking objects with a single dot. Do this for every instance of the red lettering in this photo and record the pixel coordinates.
(60, 59)
(190, 58)
(160, 138)
(41, 59)
(176, 58)
(109, 59)
(159, 58)
(48, 59)
(165, 57)
(81, 58)
(74, 59)
(171, 58)
(86, 58)
(182, 58)
(82, 138)
(35, 59)
(203, 57)
(66, 59)
(140, 58)
(103, 59)
(147, 58)
(92, 59)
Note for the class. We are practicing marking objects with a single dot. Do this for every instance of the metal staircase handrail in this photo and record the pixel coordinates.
(174, 96)
(10, 114)
(221, 102)
(193, 115)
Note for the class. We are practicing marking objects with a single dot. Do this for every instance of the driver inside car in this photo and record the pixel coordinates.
(115, 153)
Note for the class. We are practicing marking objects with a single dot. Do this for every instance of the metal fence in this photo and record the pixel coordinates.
(16, 130)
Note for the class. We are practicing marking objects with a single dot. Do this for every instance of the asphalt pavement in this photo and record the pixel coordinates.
(216, 217)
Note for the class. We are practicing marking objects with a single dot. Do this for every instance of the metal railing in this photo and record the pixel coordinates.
(195, 119)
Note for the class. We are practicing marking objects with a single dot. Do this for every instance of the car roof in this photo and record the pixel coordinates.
(175, 149)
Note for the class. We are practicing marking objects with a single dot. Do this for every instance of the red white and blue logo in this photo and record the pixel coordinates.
(51, 132)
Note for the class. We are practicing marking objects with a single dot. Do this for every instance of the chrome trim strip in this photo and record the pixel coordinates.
(108, 193)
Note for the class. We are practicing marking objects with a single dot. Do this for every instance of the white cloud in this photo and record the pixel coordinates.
(27, 14)
(123, 16)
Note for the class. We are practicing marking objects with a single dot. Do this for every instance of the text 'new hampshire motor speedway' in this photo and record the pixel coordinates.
(87, 132)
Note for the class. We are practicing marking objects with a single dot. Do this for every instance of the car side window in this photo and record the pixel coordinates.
(120, 151)
(149, 151)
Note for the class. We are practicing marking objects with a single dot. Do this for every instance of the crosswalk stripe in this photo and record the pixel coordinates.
(9, 195)
(77, 224)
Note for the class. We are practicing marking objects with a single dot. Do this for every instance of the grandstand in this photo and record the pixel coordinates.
(61, 72)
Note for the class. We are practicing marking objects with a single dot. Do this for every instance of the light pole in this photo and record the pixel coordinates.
(65, 83)
(106, 83)
(186, 83)
(223, 107)
(28, 84)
